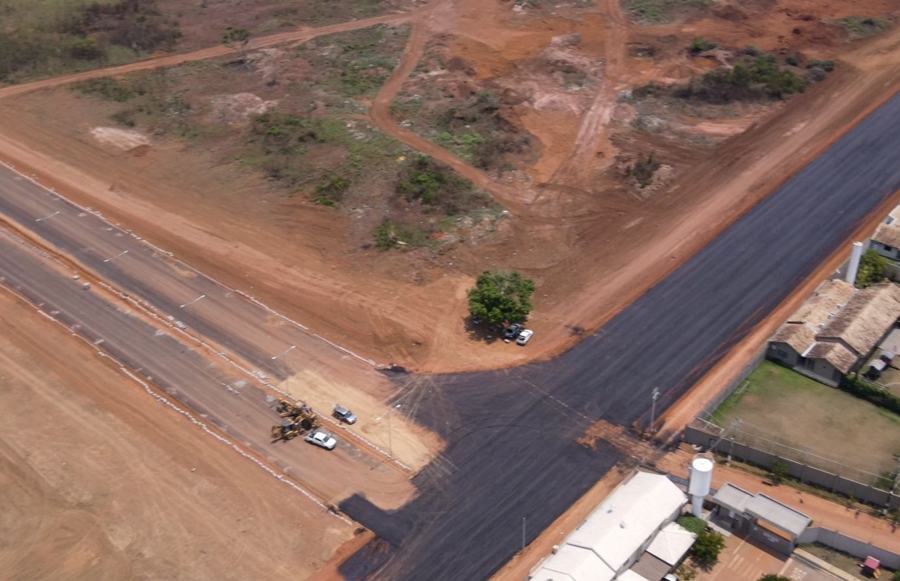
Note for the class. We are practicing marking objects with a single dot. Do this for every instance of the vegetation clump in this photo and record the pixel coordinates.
(707, 547)
(872, 269)
(692, 523)
(751, 80)
(501, 297)
(658, 11)
(643, 169)
(438, 188)
(859, 27)
(478, 131)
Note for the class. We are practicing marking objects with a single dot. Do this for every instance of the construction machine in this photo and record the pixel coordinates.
(288, 430)
(300, 415)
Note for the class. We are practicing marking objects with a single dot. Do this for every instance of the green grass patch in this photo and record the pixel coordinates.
(692, 523)
(780, 405)
(477, 132)
(859, 27)
(660, 11)
(355, 64)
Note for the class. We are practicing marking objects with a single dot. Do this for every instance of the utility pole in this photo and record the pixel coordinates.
(653, 408)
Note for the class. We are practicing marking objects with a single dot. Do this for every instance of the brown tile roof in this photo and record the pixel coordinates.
(828, 297)
(888, 234)
(866, 317)
(798, 336)
(839, 356)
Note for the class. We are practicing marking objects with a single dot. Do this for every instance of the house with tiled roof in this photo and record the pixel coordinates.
(836, 330)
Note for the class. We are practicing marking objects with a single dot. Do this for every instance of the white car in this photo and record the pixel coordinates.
(524, 336)
(322, 439)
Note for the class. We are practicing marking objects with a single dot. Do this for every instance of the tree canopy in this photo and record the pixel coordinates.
(872, 269)
(773, 577)
(707, 547)
(501, 297)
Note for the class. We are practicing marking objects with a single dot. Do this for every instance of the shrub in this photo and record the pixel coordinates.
(779, 471)
(643, 169)
(391, 234)
(747, 81)
(871, 393)
(86, 49)
(773, 577)
(792, 60)
(699, 45)
(438, 187)
(106, 88)
(707, 547)
(692, 523)
(331, 189)
(872, 269)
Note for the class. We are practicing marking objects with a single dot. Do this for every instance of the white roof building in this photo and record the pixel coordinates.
(617, 532)
(672, 543)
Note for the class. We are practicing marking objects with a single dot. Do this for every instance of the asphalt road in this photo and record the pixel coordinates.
(512, 451)
(214, 391)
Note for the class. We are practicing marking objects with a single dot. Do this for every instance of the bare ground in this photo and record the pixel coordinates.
(100, 481)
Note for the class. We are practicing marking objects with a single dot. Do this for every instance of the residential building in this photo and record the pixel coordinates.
(836, 330)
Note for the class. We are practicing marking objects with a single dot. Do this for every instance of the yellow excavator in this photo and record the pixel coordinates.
(298, 418)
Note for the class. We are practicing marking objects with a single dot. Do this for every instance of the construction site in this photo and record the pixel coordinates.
(210, 259)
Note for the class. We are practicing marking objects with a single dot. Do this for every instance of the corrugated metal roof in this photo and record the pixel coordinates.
(630, 575)
(671, 544)
(650, 567)
(778, 515)
(575, 564)
(733, 497)
(628, 518)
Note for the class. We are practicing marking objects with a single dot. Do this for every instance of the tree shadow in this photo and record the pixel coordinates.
(482, 330)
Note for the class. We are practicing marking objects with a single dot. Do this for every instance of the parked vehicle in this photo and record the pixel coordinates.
(322, 439)
(344, 415)
(524, 336)
(512, 332)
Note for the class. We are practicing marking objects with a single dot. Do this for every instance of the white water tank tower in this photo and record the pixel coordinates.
(853, 265)
(700, 483)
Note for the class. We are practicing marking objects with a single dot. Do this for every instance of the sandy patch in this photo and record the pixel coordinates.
(122, 139)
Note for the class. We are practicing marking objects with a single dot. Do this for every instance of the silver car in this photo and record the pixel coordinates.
(322, 439)
(524, 336)
(344, 415)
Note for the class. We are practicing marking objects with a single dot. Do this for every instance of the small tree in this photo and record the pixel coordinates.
(501, 297)
(237, 39)
(779, 471)
(773, 577)
(896, 576)
(872, 269)
(707, 547)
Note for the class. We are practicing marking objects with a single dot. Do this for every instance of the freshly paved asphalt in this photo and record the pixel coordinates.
(512, 451)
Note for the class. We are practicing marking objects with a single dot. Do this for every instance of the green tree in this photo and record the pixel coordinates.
(707, 547)
(237, 39)
(896, 576)
(773, 577)
(872, 269)
(501, 297)
(779, 471)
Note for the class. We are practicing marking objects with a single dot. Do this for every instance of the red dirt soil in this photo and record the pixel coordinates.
(590, 249)
(71, 430)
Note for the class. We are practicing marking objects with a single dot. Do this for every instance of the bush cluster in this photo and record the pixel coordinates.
(747, 81)
(643, 169)
(438, 187)
(491, 136)
(870, 393)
